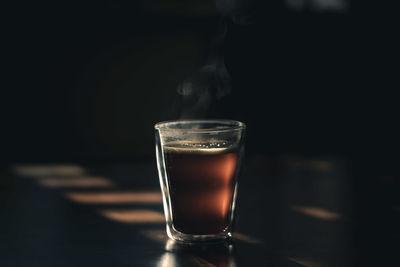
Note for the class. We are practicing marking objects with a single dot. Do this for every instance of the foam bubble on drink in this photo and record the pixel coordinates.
(198, 147)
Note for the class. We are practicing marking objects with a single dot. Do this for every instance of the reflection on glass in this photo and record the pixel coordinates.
(206, 255)
(48, 170)
(160, 236)
(134, 216)
(318, 213)
(80, 181)
(114, 197)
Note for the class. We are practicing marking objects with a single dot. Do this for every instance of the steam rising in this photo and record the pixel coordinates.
(200, 92)
(318, 5)
(238, 10)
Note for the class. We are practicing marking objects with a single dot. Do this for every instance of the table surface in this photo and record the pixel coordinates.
(291, 211)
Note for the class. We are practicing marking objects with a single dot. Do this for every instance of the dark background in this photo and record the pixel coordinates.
(87, 81)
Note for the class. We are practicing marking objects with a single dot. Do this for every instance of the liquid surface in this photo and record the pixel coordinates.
(201, 181)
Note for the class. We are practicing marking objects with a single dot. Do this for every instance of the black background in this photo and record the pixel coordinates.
(87, 81)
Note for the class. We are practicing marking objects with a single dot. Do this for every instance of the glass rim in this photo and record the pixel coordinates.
(231, 125)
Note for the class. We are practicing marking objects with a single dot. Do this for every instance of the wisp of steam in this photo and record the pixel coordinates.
(200, 92)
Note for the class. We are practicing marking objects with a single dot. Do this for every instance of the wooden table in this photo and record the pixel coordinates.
(291, 211)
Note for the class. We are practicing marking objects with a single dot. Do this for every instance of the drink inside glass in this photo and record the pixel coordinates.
(199, 163)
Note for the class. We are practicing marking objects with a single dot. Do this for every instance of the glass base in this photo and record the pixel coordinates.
(189, 238)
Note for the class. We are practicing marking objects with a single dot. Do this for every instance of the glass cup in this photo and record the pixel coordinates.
(198, 164)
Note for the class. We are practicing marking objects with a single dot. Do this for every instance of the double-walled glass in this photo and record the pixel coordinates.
(198, 164)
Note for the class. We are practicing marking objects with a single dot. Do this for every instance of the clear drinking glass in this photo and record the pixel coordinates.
(198, 164)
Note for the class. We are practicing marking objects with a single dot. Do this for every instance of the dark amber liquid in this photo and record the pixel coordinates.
(201, 184)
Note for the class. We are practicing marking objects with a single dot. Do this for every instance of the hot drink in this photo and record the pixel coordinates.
(198, 163)
(201, 185)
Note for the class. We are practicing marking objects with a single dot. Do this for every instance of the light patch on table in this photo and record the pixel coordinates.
(114, 197)
(167, 260)
(396, 208)
(308, 262)
(158, 235)
(318, 213)
(77, 181)
(38, 171)
(246, 238)
(197, 261)
(134, 216)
